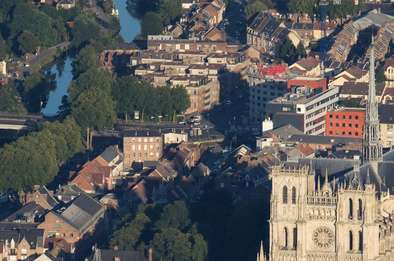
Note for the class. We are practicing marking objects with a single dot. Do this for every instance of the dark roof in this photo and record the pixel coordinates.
(142, 133)
(315, 139)
(83, 211)
(31, 209)
(110, 255)
(88, 204)
(284, 132)
(386, 113)
(359, 88)
(110, 153)
(18, 231)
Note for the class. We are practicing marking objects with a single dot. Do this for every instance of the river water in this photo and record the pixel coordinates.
(129, 28)
(64, 77)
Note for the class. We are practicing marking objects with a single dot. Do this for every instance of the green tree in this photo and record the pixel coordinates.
(67, 137)
(85, 30)
(199, 246)
(27, 42)
(286, 51)
(87, 58)
(169, 10)
(94, 108)
(34, 91)
(106, 5)
(28, 161)
(129, 236)
(255, 6)
(175, 215)
(97, 78)
(172, 244)
(10, 100)
(151, 24)
(27, 18)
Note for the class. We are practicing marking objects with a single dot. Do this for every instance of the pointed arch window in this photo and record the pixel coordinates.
(360, 209)
(360, 241)
(286, 238)
(350, 241)
(350, 208)
(295, 238)
(293, 195)
(284, 195)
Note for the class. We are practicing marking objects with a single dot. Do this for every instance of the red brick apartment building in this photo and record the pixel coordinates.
(345, 122)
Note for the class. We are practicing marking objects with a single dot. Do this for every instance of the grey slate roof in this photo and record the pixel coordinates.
(18, 231)
(110, 255)
(315, 139)
(31, 209)
(110, 153)
(83, 211)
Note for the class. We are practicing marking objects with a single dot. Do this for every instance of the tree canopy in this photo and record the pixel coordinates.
(10, 101)
(35, 159)
(167, 230)
(131, 94)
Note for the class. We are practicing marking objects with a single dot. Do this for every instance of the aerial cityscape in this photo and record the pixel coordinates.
(202, 130)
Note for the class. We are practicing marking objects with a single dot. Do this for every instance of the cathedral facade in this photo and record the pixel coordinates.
(336, 217)
(313, 221)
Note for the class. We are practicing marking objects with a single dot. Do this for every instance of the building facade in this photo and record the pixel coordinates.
(313, 222)
(345, 122)
(304, 110)
(140, 146)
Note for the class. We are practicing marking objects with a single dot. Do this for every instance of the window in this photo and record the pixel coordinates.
(336, 117)
(350, 125)
(360, 241)
(343, 117)
(343, 124)
(330, 115)
(356, 125)
(350, 240)
(293, 195)
(286, 237)
(356, 117)
(356, 133)
(350, 133)
(350, 208)
(284, 195)
(295, 238)
(360, 209)
(350, 117)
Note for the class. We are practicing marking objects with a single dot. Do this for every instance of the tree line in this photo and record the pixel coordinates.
(168, 230)
(36, 158)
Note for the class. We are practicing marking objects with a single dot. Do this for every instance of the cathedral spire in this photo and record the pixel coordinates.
(372, 148)
(260, 254)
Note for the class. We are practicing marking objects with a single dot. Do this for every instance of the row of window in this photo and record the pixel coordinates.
(344, 133)
(344, 117)
(351, 241)
(286, 238)
(344, 125)
(285, 195)
(359, 209)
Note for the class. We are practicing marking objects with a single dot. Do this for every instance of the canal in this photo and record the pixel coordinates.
(129, 29)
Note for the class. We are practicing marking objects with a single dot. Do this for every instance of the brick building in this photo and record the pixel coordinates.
(141, 145)
(345, 122)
